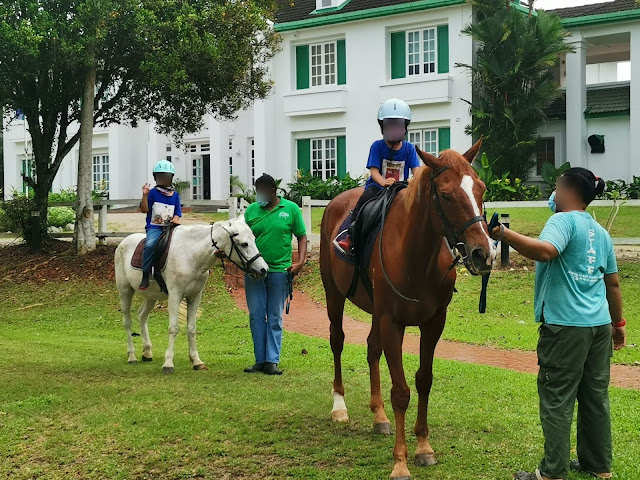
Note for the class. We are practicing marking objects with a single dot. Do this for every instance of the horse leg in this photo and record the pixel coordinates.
(392, 336)
(335, 310)
(126, 296)
(381, 422)
(174, 308)
(143, 316)
(192, 310)
(429, 335)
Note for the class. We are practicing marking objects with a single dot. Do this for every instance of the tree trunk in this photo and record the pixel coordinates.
(84, 237)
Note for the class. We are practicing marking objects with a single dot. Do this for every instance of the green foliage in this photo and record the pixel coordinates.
(17, 216)
(60, 216)
(501, 188)
(65, 195)
(620, 189)
(513, 81)
(550, 173)
(181, 185)
(306, 184)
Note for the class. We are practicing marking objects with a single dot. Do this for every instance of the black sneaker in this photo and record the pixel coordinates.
(144, 284)
(255, 368)
(271, 369)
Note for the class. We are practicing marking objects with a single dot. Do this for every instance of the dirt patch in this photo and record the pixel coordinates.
(55, 263)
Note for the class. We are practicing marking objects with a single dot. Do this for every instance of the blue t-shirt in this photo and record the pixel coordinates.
(570, 289)
(162, 208)
(392, 163)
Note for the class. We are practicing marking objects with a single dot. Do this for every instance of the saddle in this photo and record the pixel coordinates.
(364, 230)
(161, 252)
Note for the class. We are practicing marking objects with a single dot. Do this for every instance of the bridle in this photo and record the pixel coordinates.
(451, 235)
(245, 263)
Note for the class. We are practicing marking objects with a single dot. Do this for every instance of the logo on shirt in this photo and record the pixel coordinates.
(284, 215)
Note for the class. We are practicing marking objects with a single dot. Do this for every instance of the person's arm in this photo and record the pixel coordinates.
(178, 210)
(614, 297)
(532, 248)
(379, 179)
(144, 204)
(302, 256)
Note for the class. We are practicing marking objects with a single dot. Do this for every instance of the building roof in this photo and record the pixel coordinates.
(296, 10)
(600, 101)
(595, 9)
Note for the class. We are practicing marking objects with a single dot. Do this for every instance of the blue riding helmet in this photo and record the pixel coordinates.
(164, 166)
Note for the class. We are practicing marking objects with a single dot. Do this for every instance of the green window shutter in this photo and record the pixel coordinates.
(304, 155)
(398, 55)
(444, 138)
(302, 67)
(342, 62)
(342, 157)
(443, 49)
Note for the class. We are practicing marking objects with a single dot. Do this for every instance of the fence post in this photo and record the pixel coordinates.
(504, 246)
(102, 223)
(243, 206)
(306, 213)
(36, 240)
(233, 206)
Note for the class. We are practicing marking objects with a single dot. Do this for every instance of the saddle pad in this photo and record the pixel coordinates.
(160, 257)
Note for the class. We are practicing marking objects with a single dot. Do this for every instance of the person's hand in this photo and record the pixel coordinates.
(619, 335)
(295, 268)
(497, 232)
(145, 189)
(389, 181)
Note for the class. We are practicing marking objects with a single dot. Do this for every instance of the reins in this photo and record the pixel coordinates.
(245, 263)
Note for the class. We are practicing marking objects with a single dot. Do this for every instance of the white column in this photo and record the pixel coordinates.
(634, 121)
(576, 83)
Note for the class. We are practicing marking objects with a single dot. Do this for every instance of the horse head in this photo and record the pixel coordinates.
(235, 240)
(457, 194)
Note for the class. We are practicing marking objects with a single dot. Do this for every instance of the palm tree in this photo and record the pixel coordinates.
(513, 80)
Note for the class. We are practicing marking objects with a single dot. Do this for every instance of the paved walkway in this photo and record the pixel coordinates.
(309, 318)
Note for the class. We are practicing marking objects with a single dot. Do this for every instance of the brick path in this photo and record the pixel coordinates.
(309, 318)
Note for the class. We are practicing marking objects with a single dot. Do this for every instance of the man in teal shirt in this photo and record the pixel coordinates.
(273, 220)
(579, 305)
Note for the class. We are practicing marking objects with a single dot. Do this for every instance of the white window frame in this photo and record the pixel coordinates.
(324, 157)
(323, 64)
(100, 170)
(427, 139)
(196, 177)
(420, 59)
(252, 152)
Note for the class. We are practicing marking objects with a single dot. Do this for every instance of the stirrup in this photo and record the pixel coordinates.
(337, 244)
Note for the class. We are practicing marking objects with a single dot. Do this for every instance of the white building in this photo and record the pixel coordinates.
(339, 60)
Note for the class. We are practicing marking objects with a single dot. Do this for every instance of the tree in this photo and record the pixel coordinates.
(513, 81)
(162, 61)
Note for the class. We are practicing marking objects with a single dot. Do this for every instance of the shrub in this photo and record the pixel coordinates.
(4, 221)
(306, 184)
(60, 216)
(68, 195)
(550, 173)
(17, 213)
(503, 190)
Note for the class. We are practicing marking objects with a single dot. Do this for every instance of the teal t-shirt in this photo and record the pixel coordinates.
(570, 289)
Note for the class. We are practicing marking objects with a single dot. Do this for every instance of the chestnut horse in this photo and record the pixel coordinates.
(413, 283)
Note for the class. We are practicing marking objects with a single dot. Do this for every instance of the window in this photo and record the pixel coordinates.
(205, 147)
(253, 163)
(421, 50)
(26, 169)
(546, 153)
(323, 64)
(324, 157)
(230, 163)
(196, 178)
(101, 172)
(168, 158)
(168, 148)
(192, 148)
(426, 140)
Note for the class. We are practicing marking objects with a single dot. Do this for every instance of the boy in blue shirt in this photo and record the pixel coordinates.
(162, 205)
(390, 159)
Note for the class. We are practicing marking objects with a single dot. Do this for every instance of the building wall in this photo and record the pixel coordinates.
(615, 163)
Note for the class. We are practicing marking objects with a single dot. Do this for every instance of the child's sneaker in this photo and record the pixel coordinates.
(346, 244)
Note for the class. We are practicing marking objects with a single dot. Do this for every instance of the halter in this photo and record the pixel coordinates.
(245, 263)
(451, 235)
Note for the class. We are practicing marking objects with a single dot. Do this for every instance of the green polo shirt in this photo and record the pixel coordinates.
(273, 230)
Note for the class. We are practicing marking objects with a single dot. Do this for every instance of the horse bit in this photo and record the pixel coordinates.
(245, 263)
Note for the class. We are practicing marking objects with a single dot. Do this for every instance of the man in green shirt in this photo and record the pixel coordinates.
(273, 221)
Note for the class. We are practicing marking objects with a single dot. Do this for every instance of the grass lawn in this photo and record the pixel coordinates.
(508, 322)
(530, 221)
(71, 407)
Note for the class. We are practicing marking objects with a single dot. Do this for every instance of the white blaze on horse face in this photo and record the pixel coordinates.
(467, 187)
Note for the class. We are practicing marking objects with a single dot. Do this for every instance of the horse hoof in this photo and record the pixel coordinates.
(133, 362)
(425, 459)
(202, 367)
(147, 359)
(383, 429)
(404, 477)
(167, 370)
(340, 416)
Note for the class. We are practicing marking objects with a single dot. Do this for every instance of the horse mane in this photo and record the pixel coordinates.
(419, 188)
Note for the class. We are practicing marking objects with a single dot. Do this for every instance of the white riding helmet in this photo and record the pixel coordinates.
(394, 108)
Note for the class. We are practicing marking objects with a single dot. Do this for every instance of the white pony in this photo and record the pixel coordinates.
(192, 253)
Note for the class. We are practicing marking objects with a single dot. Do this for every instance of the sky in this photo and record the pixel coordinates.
(564, 3)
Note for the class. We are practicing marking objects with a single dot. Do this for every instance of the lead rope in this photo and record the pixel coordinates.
(482, 306)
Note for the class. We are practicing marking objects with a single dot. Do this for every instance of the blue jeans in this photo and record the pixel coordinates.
(266, 298)
(153, 234)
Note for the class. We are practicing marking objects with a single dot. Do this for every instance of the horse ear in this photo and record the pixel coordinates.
(473, 151)
(429, 160)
